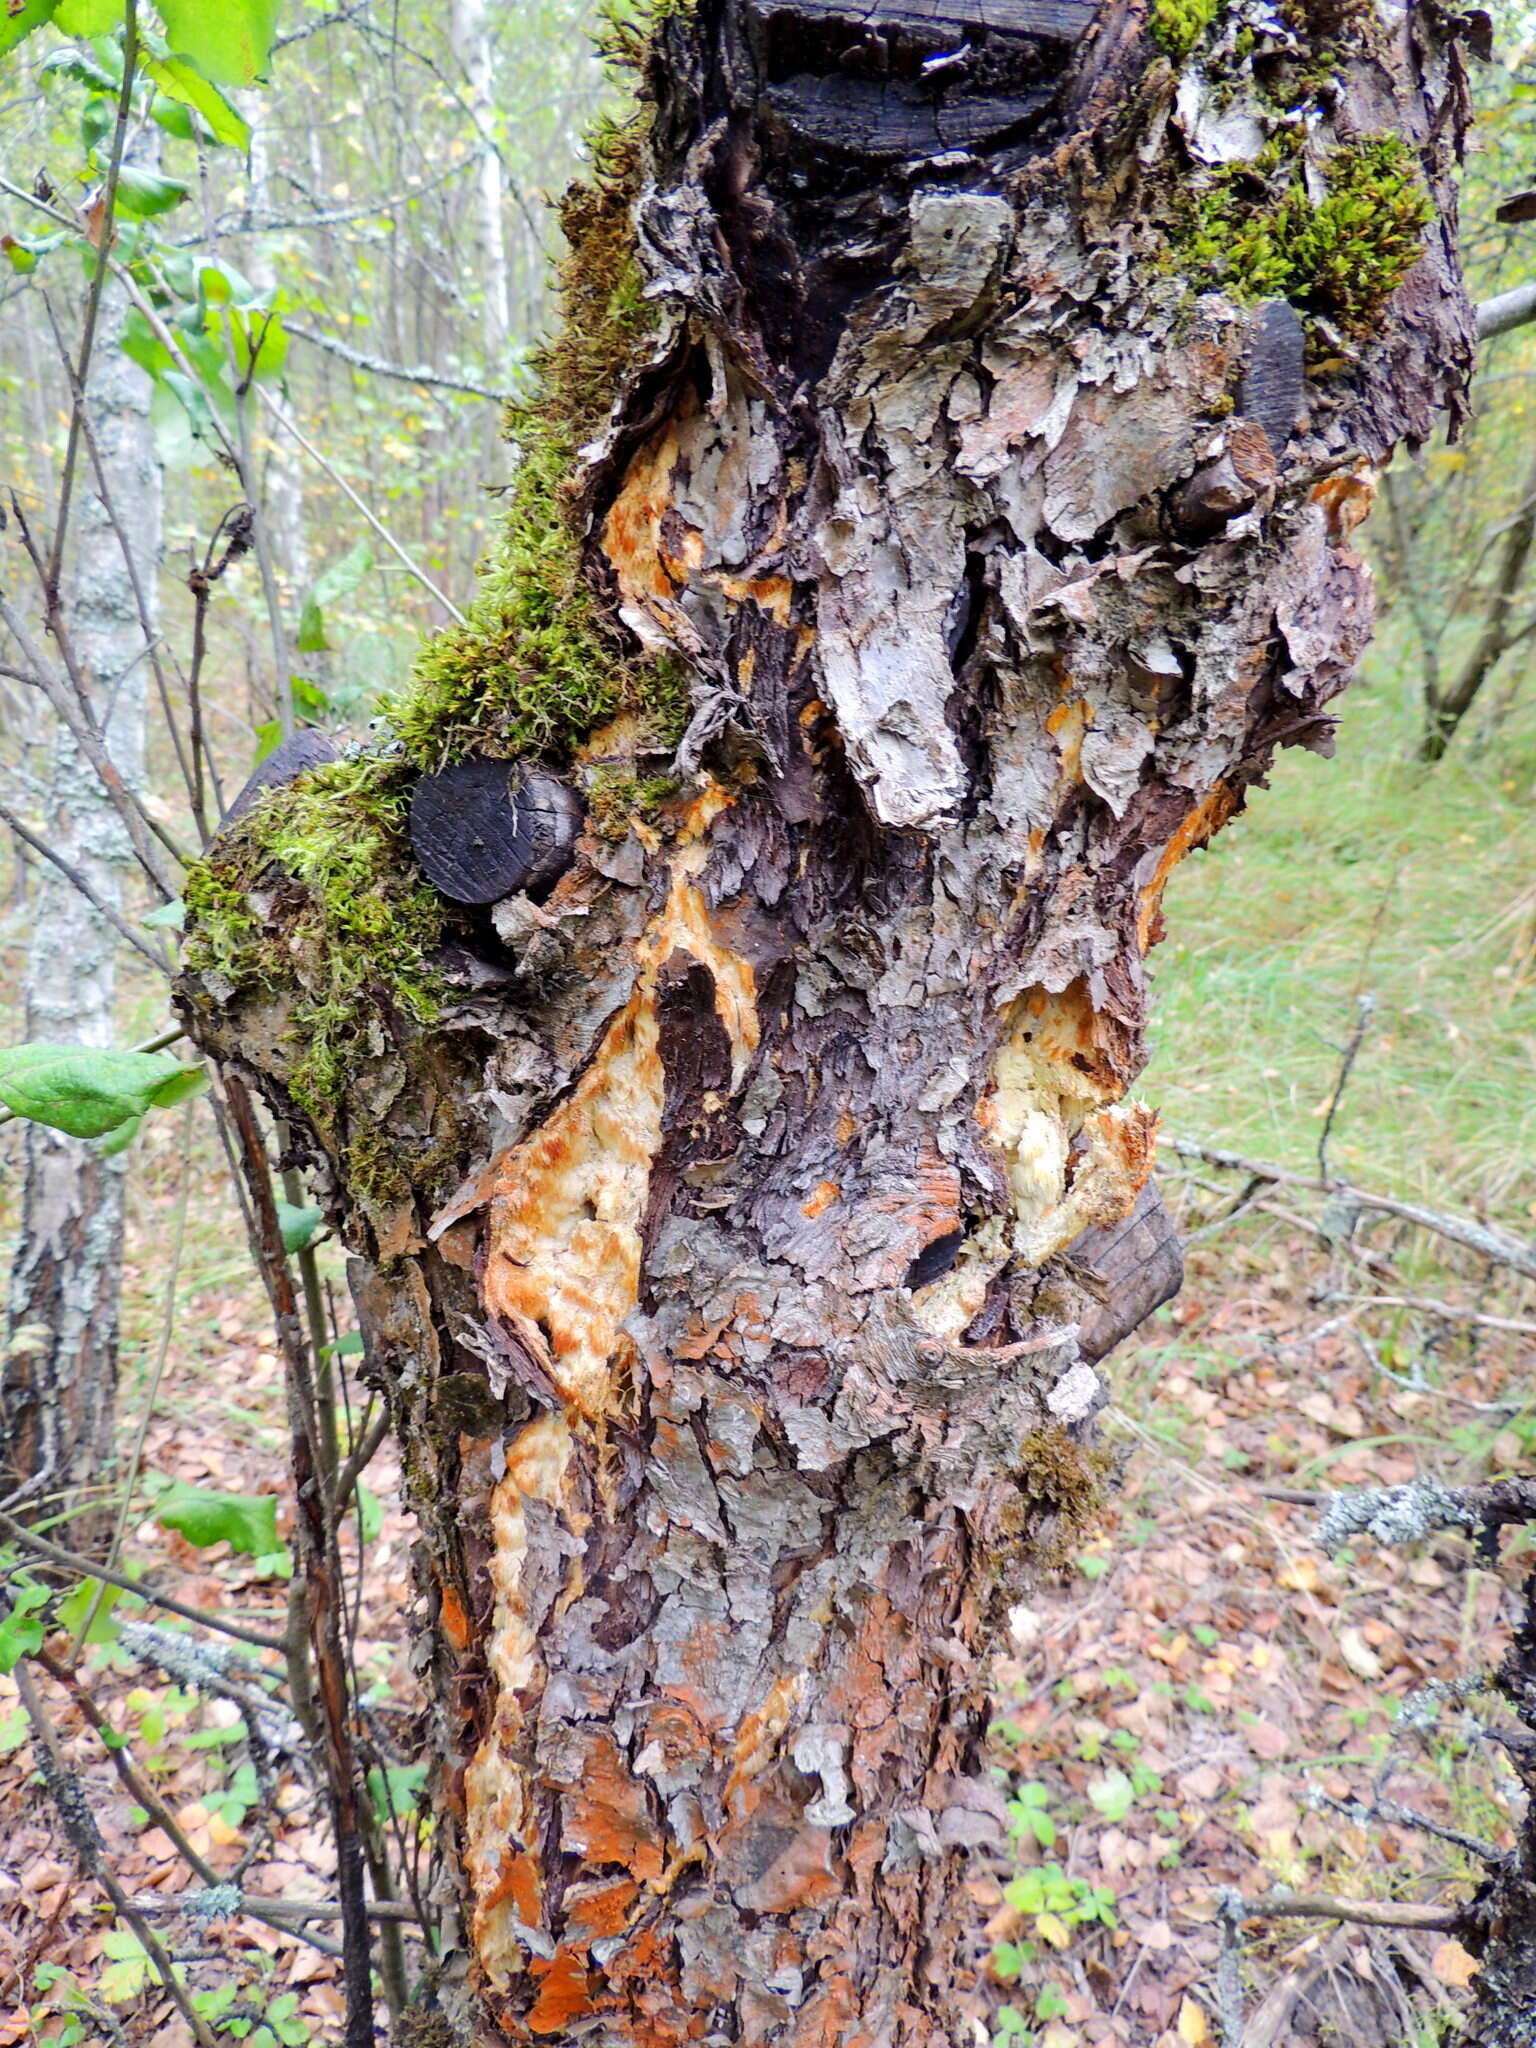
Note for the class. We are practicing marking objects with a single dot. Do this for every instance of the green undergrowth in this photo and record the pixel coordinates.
(360, 928)
(539, 664)
(1366, 874)
(1254, 232)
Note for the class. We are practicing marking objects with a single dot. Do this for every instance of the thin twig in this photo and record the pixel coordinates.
(106, 227)
(139, 1788)
(1482, 1238)
(78, 881)
(420, 574)
(1361, 1912)
(85, 1568)
(1365, 1009)
(80, 1827)
(1446, 1309)
(167, 1327)
(376, 366)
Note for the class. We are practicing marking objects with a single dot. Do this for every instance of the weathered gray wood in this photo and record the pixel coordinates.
(1274, 384)
(293, 757)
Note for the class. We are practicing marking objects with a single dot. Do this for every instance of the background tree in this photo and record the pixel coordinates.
(936, 513)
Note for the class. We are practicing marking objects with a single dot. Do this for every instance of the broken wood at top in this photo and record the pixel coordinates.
(890, 119)
(1065, 19)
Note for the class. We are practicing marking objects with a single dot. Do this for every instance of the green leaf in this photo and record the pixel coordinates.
(120, 1138)
(395, 1790)
(269, 736)
(186, 1081)
(247, 1522)
(300, 1227)
(15, 28)
(146, 192)
(77, 1605)
(181, 80)
(20, 1635)
(129, 1971)
(143, 346)
(96, 118)
(370, 1512)
(338, 580)
(85, 1091)
(89, 17)
(1113, 1794)
(170, 917)
(229, 41)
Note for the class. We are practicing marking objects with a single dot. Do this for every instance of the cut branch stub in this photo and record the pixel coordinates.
(300, 752)
(1275, 382)
(485, 829)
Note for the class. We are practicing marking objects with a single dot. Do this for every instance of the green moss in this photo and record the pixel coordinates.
(1063, 1483)
(1179, 24)
(540, 664)
(1254, 233)
(359, 927)
(616, 796)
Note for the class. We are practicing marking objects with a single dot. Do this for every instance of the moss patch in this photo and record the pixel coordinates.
(1255, 234)
(359, 927)
(1062, 1483)
(616, 797)
(539, 664)
(1179, 24)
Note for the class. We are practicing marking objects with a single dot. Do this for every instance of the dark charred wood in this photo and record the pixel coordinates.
(1136, 1265)
(484, 829)
(891, 119)
(1274, 384)
(1064, 18)
(300, 752)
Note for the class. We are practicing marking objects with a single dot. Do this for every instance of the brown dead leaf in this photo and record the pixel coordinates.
(1358, 1654)
(1452, 1965)
(1194, 2027)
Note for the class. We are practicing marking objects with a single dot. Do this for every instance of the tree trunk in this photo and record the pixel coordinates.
(739, 1217)
(476, 56)
(59, 1387)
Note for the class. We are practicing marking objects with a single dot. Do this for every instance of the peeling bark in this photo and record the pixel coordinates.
(749, 1364)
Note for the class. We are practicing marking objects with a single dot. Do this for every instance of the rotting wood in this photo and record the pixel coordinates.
(732, 1294)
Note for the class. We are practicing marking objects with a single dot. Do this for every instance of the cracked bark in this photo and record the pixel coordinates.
(748, 1368)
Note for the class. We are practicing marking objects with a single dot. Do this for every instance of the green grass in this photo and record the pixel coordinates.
(1366, 873)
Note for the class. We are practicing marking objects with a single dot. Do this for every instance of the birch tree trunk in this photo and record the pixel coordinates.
(475, 53)
(59, 1387)
(972, 400)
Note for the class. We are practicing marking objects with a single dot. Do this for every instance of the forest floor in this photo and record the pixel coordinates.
(1183, 1709)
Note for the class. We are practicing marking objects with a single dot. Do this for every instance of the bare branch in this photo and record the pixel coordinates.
(1362, 1912)
(1481, 1238)
(67, 1560)
(378, 367)
(1506, 310)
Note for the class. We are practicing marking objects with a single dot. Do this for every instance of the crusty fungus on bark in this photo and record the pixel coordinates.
(894, 574)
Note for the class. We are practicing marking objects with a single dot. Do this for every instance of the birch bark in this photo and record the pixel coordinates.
(59, 1384)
